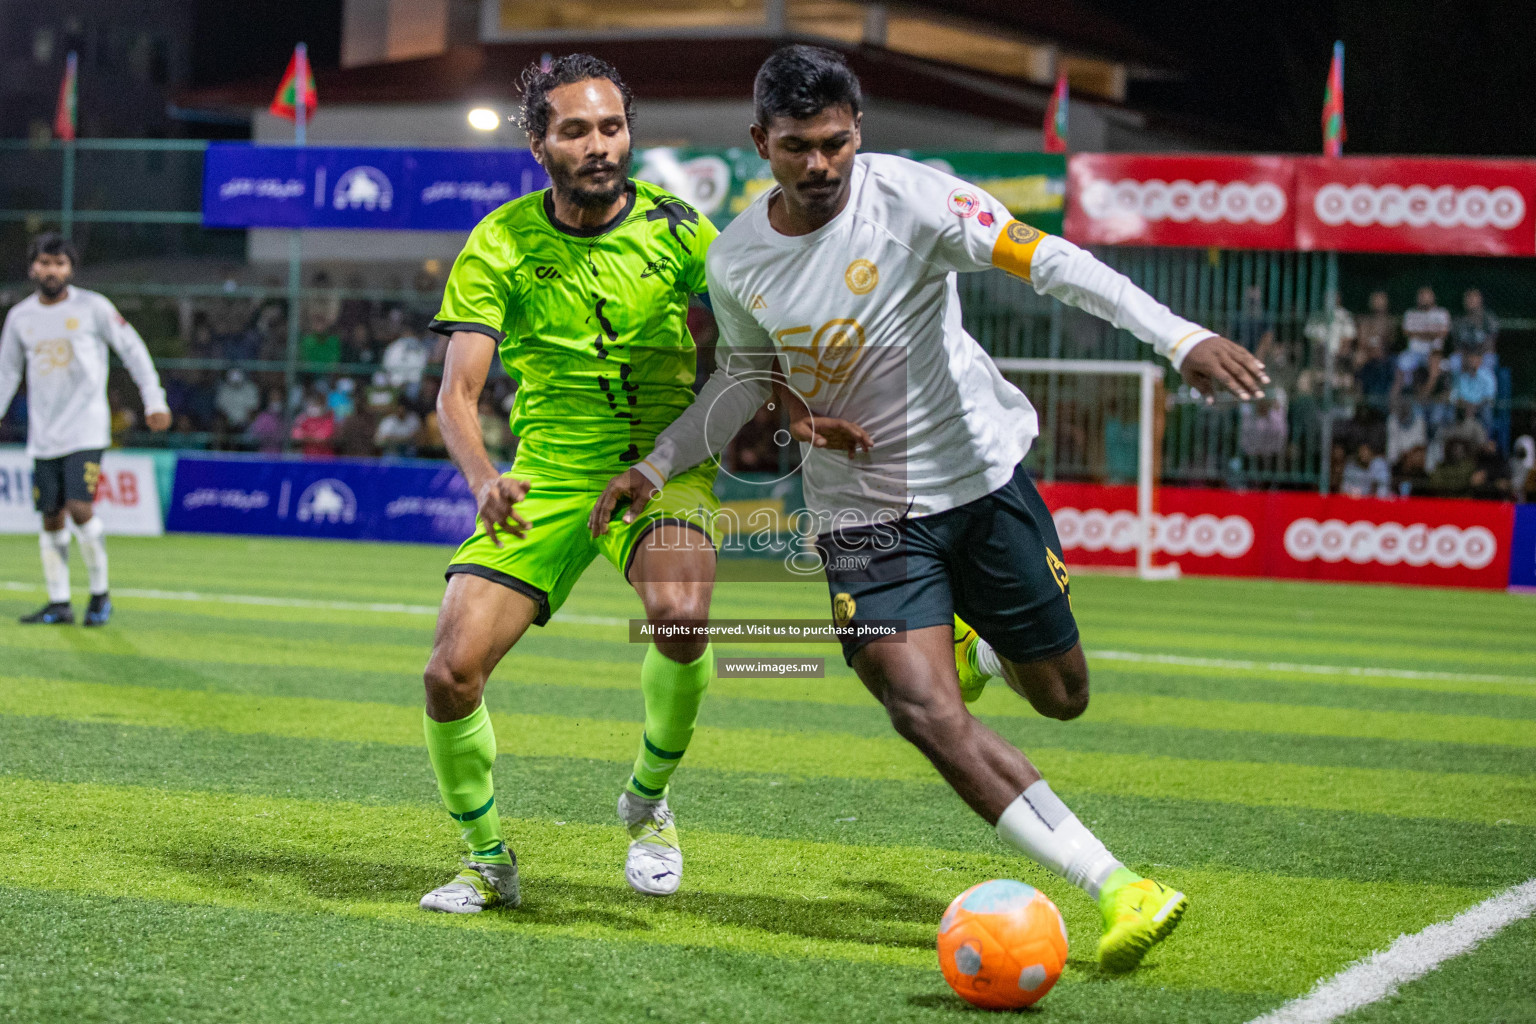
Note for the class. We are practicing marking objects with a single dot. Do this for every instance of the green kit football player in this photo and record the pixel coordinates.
(583, 290)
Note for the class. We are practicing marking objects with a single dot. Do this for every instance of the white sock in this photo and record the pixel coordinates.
(986, 658)
(93, 551)
(54, 547)
(1041, 827)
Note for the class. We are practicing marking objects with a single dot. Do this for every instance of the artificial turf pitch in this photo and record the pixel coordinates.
(221, 811)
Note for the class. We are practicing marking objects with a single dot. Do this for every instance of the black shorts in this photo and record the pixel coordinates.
(995, 561)
(69, 477)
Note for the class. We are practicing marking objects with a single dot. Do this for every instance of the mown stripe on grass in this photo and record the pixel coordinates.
(84, 957)
(801, 900)
(1459, 796)
(865, 812)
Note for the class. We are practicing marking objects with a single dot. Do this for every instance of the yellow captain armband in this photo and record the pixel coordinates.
(1015, 248)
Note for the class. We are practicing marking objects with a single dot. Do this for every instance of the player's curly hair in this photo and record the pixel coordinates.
(539, 78)
(800, 81)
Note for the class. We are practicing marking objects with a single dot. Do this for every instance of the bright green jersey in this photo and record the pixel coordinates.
(592, 324)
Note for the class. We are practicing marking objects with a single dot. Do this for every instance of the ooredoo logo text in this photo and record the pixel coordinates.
(1419, 206)
(1203, 535)
(1181, 201)
(1418, 544)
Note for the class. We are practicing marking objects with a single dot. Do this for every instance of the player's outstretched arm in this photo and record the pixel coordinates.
(12, 362)
(458, 403)
(1056, 267)
(130, 348)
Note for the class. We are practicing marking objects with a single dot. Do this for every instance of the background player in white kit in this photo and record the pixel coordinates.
(59, 336)
(841, 281)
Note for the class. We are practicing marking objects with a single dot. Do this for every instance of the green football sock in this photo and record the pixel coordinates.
(673, 693)
(462, 754)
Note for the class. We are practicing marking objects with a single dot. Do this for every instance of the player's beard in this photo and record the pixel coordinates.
(571, 183)
(52, 286)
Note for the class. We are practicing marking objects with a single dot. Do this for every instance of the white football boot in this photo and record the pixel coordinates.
(478, 887)
(654, 866)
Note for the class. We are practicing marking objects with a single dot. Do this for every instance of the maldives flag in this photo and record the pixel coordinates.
(65, 114)
(1056, 117)
(1333, 105)
(298, 81)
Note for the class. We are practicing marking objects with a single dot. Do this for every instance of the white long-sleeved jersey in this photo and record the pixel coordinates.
(63, 349)
(863, 315)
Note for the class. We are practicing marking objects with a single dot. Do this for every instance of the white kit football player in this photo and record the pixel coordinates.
(839, 286)
(58, 336)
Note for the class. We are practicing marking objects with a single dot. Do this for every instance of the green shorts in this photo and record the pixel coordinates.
(550, 557)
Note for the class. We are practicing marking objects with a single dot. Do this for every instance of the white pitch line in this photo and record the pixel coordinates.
(1412, 956)
(1134, 657)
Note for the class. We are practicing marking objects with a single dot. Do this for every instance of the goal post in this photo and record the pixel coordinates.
(1145, 376)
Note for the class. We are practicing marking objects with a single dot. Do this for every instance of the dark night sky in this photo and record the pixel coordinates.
(1421, 76)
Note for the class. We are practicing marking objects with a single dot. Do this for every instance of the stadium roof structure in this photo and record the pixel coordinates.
(1074, 27)
(715, 68)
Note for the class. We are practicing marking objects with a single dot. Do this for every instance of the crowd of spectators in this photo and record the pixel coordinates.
(1411, 399)
(368, 373)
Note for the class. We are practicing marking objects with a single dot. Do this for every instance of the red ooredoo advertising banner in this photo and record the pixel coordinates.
(1227, 201)
(1292, 535)
(1362, 204)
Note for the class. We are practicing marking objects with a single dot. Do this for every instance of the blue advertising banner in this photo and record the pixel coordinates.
(1522, 548)
(324, 187)
(336, 499)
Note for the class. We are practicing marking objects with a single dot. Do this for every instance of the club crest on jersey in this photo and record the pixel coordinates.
(843, 607)
(964, 203)
(861, 277)
(72, 324)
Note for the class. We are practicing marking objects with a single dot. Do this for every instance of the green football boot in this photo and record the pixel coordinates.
(1137, 916)
(972, 679)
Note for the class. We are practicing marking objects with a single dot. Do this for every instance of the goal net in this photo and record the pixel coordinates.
(1098, 423)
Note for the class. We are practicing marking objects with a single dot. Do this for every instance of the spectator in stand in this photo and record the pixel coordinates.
(1474, 388)
(1476, 330)
(1406, 430)
(405, 359)
(1262, 432)
(1425, 326)
(1522, 469)
(358, 344)
(430, 442)
(201, 345)
(355, 310)
(380, 395)
(1332, 333)
(1376, 331)
(1453, 476)
(315, 428)
(1432, 391)
(339, 399)
(354, 436)
(1366, 475)
(397, 432)
(320, 344)
(1374, 374)
(265, 433)
(237, 399)
(1491, 478)
(1254, 329)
